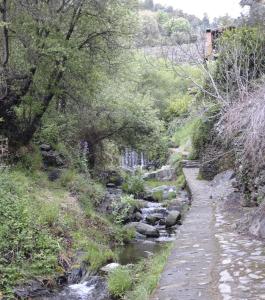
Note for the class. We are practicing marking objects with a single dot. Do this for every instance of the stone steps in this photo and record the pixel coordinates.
(190, 164)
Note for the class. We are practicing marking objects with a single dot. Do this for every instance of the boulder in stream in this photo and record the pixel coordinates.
(173, 218)
(32, 289)
(154, 218)
(145, 229)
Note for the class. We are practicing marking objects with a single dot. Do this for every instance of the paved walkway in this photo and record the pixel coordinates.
(188, 274)
(210, 260)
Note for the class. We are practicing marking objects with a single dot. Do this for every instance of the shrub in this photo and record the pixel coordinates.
(120, 281)
(122, 208)
(179, 107)
(49, 133)
(30, 158)
(48, 213)
(203, 131)
(240, 59)
(133, 185)
(183, 133)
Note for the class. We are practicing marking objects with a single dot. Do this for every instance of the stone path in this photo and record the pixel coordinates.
(241, 266)
(188, 274)
(210, 260)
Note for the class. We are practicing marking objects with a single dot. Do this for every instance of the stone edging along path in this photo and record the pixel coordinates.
(188, 274)
(210, 260)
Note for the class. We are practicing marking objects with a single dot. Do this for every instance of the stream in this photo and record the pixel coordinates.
(95, 287)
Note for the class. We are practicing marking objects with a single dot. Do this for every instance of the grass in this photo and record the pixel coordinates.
(120, 281)
(44, 226)
(137, 282)
(153, 183)
(183, 135)
(179, 183)
(146, 275)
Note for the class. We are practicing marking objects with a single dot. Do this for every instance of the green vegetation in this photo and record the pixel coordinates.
(122, 208)
(133, 185)
(182, 136)
(73, 82)
(138, 282)
(27, 247)
(120, 281)
(202, 134)
(39, 218)
(158, 196)
(153, 183)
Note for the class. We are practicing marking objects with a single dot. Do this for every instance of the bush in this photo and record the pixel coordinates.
(179, 107)
(183, 133)
(49, 133)
(122, 208)
(30, 158)
(240, 60)
(120, 281)
(203, 131)
(133, 185)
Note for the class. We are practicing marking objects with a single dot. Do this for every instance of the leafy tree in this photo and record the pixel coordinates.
(113, 109)
(174, 26)
(149, 30)
(41, 41)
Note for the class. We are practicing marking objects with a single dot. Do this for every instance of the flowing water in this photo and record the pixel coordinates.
(95, 287)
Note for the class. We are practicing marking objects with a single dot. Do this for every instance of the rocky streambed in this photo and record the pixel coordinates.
(156, 226)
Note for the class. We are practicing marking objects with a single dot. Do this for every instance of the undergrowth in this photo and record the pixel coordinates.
(43, 226)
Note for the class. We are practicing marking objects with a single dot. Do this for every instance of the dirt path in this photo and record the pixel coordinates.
(189, 274)
(210, 260)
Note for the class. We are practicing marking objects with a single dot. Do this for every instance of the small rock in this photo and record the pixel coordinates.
(137, 216)
(52, 158)
(32, 289)
(111, 185)
(110, 267)
(54, 175)
(162, 222)
(45, 147)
